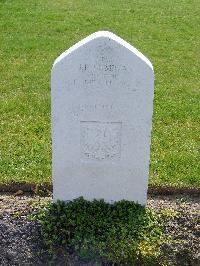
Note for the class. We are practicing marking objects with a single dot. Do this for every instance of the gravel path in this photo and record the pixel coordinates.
(20, 241)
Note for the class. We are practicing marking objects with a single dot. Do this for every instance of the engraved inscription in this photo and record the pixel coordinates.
(93, 107)
(100, 141)
(104, 70)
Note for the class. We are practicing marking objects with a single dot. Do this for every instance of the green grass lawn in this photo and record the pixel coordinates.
(34, 32)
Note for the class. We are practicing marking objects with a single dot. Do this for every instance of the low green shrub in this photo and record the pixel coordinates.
(122, 233)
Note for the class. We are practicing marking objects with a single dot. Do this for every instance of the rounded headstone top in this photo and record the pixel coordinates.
(104, 34)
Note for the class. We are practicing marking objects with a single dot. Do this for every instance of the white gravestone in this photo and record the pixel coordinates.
(102, 102)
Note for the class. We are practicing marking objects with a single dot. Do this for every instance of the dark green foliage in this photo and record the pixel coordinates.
(124, 233)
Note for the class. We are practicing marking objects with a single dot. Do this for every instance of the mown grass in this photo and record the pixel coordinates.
(33, 33)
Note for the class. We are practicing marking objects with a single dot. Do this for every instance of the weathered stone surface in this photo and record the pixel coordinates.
(102, 101)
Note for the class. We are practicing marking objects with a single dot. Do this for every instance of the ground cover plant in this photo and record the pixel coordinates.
(33, 33)
(123, 233)
(21, 241)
